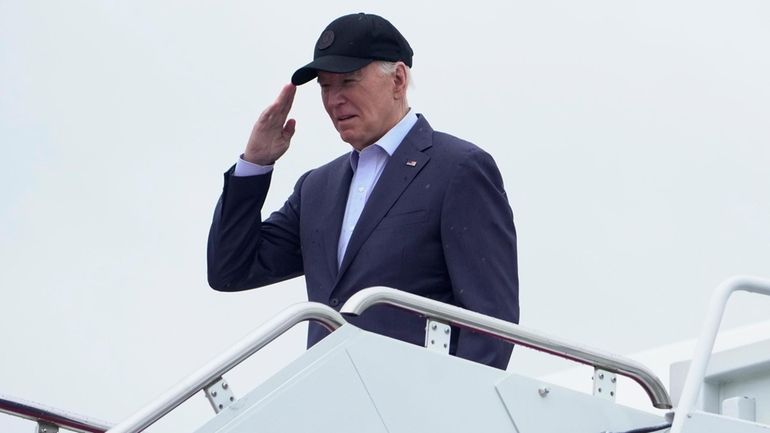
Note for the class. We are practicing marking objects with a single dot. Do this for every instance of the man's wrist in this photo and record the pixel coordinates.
(245, 168)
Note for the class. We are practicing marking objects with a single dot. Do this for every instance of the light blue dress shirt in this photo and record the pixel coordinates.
(367, 167)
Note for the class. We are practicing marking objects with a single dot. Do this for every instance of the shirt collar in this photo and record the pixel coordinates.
(392, 139)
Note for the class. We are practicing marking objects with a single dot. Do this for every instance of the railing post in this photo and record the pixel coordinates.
(44, 427)
(219, 394)
(605, 384)
(437, 336)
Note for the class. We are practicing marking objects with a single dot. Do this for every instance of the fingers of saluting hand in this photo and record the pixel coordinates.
(288, 129)
(272, 133)
(286, 98)
(279, 110)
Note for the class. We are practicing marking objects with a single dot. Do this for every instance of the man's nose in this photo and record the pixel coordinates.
(336, 96)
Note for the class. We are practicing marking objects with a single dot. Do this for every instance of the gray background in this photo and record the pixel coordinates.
(632, 136)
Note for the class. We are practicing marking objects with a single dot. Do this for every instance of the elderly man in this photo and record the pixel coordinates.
(408, 207)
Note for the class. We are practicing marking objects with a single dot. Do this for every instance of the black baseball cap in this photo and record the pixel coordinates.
(353, 41)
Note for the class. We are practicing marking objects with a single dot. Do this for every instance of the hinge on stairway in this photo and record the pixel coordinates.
(219, 394)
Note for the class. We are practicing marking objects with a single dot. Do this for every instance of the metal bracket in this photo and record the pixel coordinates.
(605, 384)
(437, 336)
(742, 407)
(219, 394)
(44, 427)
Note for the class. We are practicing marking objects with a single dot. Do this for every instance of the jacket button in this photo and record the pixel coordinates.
(334, 302)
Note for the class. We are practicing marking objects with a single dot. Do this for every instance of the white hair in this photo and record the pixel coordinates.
(389, 68)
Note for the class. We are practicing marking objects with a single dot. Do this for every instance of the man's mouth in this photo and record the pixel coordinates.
(345, 117)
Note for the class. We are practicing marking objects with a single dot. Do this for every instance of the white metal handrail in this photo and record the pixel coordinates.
(49, 415)
(705, 344)
(511, 332)
(212, 371)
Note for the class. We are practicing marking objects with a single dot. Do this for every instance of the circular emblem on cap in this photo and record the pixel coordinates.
(326, 40)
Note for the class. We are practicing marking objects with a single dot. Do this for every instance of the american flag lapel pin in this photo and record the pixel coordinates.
(411, 163)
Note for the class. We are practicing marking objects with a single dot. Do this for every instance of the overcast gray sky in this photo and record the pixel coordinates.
(633, 140)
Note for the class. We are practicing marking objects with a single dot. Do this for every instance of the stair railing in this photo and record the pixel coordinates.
(705, 344)
(209, 377)
(438, 311)
(50, 419)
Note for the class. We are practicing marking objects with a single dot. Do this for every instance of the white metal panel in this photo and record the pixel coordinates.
(320, 391)
(562, 410)
(416, 389)
(702, 422)
(355, 381)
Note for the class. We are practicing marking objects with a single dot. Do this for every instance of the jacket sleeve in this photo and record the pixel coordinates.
(245, 252)
(479, 242)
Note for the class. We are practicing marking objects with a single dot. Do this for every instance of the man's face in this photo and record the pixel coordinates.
(363, 105)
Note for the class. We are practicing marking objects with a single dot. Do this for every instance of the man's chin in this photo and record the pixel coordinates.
(350, 139)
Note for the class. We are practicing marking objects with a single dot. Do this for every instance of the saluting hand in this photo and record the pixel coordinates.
(272, 133)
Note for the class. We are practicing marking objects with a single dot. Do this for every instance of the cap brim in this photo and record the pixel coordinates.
(337, 64)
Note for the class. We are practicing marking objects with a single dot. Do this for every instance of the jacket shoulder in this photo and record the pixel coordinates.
(451, 147)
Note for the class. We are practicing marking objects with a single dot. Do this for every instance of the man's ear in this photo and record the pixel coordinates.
(400, 81)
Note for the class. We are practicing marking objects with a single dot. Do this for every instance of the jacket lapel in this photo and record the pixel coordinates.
(337, 189)
(407, 161)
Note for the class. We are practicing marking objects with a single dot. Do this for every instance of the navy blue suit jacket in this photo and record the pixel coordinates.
(439, 227)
